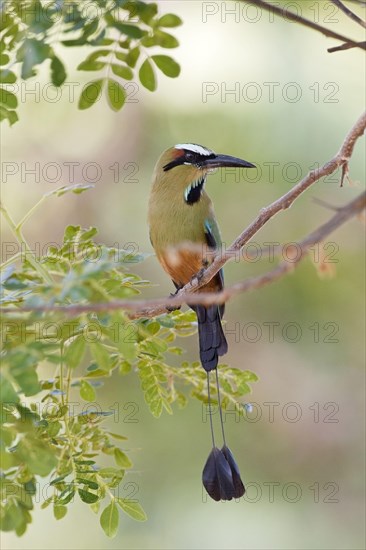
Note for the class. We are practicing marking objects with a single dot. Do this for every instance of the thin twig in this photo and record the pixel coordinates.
(349, 13)
(287, 14)
(347, 46)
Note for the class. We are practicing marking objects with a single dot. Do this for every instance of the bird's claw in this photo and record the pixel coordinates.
(198, 276)
(172, 308)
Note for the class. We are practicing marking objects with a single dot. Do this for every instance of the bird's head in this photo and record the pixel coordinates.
(185, 167)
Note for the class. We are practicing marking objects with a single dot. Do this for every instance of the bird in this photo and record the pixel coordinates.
(185, 236)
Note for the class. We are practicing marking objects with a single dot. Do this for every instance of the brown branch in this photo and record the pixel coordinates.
(346, 46)
(287, 14)
(345, 213)
(349, 13)
(151, 308)
(284, 202)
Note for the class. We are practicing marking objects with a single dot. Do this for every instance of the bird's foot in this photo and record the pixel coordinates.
(172, 308)
(198, 276)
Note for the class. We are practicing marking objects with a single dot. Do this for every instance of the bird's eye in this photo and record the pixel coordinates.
(190, 157)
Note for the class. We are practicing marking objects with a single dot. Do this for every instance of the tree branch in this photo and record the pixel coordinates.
(152, 308)
(349, 13)
(345, 213)
(346, 46)
(287, 14)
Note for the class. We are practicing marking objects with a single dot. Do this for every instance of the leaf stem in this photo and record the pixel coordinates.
(30, 212)
(24, 246)
(11, 260)
(65, 399)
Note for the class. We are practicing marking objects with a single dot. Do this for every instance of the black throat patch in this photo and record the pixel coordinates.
(193, 193)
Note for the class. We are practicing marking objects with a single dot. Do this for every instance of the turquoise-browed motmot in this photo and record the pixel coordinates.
(184, 233)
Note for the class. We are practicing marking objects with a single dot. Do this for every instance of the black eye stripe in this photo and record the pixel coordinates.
(189, 157)
(173, 163)
(196, 157)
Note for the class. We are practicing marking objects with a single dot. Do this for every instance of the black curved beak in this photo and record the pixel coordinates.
(220, 161)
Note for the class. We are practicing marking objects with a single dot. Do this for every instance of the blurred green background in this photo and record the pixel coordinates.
(305, 478)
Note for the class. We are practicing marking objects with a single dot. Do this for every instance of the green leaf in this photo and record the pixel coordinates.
(166, 40)
(7, 391)
(147, 11)
(132, 57)
(89, 482)
(249, 376)
(117, 436)
(147, 76)
(150, 41)
(26, 377)
(87, 391)
(95, 507)
(125, 367)
(167, 65)
(8, 98)
(121, 56)
(53, 428)
(7, 76)
(101, 356)
(156, 346)
(58, 72)
(90, 94)
(170, 20)
(66, 496)
(4, 59)
(46, 503)
(155, 405)
(91, 65)
(99, 53)
(128, 350)
(32, 52)
(152, 377)
(87, 497)
(97, 373)
(176, 350)
(116, 95)
(122, 459)
(122, 71)
(11, 116)
(182, 400)
(39, 458)
(59, 511)
(74, 352)
(11, 516)
(132, 508)
(58, 479)
(165, 321)
(109, 519)
(111, 472)
(131, 31)
(77, 189)
(88, 29)
(7, 435)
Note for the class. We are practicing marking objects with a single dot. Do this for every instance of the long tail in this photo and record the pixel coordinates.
(221, 476)
(212, 341)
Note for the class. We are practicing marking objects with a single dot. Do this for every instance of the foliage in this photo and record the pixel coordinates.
(48, 357)
(117, 34)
